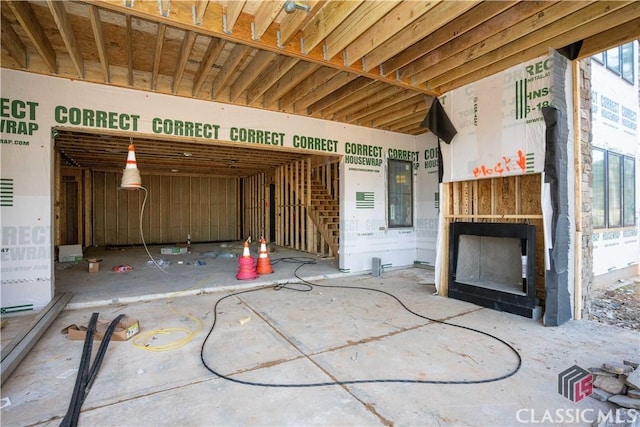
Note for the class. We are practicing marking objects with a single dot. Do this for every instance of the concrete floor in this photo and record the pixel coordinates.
(287, 337)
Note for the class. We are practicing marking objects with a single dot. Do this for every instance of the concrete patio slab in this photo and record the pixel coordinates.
(324, 335)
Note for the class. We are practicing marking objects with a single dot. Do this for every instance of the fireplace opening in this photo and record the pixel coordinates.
(493, 265)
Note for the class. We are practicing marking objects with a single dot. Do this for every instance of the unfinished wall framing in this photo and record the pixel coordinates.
(307, 206)
(206, 208)
(254, 207)
(513, 199)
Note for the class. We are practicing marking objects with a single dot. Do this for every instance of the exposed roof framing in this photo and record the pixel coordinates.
(369, 63)
(345, 60)
(107, 152)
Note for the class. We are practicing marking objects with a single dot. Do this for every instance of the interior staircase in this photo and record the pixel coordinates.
(325, 214)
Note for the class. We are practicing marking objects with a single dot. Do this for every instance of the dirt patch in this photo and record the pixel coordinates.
(618, 307)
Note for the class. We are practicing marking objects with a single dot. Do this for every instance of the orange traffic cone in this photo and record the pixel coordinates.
(247, 265)
(131, 179)
(264, 265)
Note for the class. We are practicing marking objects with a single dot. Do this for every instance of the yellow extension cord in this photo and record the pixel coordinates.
(142, 341)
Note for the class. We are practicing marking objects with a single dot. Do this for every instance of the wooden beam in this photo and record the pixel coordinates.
(497, 216)
(612, 37)
(443, 13)
(339, 94)
(406, 13)
(61, 19)
(211, 55)
(323, 90)
(348, 104)
(231, 65)
(359, 21)
(231, 15)
(253, 71)
(34, 31)
(447, 34)
(292, 23)
(404, 105)
(278, 68)
(182, 17)
(98, 36)
(446, 208)
(366, 99)
(199, 9)
(264, 17)
(410, 121)
(295, 76)
(383, 107)
(129, 39)
(12, 43)
(325, 21)
(157, 55)
(466, 49)
(185, 52)
(307, 85)
(577, 26)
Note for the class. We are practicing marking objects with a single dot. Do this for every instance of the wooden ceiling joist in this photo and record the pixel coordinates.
(254, 70)
(431, 21)
(211, 55)
(359, 62)
(233, 62)
(185, 52)
(569, 29)
(363, 18)
(36, 34)
(264, 17)
(98, 35)
(301, 105)
(59, 14)
(454, 29)
(12, 43)
(157, 55)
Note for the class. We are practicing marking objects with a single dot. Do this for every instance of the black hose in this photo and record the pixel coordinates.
(308, 286)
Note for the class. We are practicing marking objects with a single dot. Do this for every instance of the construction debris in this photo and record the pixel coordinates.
(617, 383)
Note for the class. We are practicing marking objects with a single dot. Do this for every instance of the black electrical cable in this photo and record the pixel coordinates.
(308, 286)
(87, 374)
(102, 350)
(71, 417)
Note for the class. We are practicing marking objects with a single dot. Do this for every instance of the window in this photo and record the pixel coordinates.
(613, 59)
(626, 57)
(619, 60)
(599, 189)
(400, 193)
(614, 188)
(599, 57)
(629, 191)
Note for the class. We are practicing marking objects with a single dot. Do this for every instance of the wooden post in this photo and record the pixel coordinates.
(443, 287)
